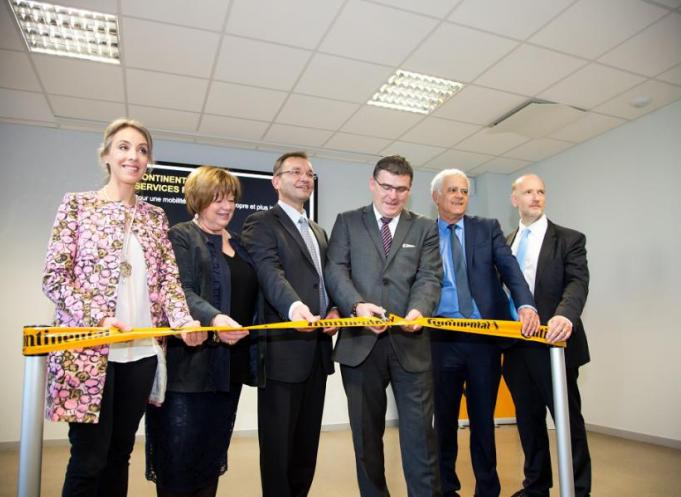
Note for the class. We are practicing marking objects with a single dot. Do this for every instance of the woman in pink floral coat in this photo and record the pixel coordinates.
(109, 263)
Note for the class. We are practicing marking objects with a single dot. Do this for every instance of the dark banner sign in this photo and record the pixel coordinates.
(163, 185)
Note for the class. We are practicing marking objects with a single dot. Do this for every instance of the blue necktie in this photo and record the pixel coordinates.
(520, 256)
(463, 291)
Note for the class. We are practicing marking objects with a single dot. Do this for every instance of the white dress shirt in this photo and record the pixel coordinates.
(537, 231)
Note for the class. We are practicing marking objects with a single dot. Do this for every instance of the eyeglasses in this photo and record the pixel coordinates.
(456, 189)
(400, 190)
(297, 173)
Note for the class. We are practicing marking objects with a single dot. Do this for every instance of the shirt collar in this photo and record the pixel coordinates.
(291, 212)
(536, 227)
(444, 226)
(379, 216)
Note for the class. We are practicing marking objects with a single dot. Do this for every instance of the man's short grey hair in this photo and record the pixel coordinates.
(436, 184)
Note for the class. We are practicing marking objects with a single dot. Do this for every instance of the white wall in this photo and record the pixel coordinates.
(622, 190)
(38, 165)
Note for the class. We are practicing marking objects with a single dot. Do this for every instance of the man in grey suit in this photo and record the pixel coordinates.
(385, 259)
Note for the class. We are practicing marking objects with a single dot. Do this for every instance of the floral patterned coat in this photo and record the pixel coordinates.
(82, 270)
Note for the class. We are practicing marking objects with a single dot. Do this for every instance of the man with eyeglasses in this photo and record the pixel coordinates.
(475, 257)
(289, 252)
(384, 259)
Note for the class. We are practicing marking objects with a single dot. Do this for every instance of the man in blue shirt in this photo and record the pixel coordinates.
(475, 257)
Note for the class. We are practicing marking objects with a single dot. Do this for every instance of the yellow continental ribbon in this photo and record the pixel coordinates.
(43, 339)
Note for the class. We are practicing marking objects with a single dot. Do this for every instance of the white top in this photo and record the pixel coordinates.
(534, 241)
(392, 225)
(133, 307)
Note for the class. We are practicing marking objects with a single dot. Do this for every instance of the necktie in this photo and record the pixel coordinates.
(386, 236)
(463, 291)
(520, 257)
(312, 249)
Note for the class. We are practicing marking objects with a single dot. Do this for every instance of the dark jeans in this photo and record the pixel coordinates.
(100, 452)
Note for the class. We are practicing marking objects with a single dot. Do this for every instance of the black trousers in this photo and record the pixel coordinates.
(527, 370)
(365, 386)
(289, 422)
(100, 452)
(477, 364)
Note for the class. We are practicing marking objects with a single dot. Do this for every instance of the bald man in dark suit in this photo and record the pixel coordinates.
(555, 267)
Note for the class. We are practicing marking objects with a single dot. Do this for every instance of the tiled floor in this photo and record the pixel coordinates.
(621, 468)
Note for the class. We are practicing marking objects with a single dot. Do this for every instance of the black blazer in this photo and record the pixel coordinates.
(562, 284)
(190, 369)
(286, 274)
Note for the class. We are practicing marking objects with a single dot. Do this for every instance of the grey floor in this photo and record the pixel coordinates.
(621, 468)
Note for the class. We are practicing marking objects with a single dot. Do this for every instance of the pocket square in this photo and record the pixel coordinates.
(408, 245)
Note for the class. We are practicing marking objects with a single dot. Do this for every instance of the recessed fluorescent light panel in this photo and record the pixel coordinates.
(56, 30)
(414, 92)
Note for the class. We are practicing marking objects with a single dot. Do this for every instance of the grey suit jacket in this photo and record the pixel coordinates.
(357, 270)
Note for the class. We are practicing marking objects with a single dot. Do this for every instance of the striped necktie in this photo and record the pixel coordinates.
(386, 236)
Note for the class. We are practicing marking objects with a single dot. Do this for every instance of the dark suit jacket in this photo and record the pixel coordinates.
(190, 369)
(408, 278)
(489, 264)
(286, 274)
(562, 284)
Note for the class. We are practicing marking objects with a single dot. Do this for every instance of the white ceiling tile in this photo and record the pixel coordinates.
(164, 119)
(209, 14)
(590, 86)
(672, 76)
(80, 78)
(356, 143)
(260, 63)
(661, 93)
(517, 19)
(315, 112)
(17, 72)
(295, 135)
(90, 110)
(591, 27)
(379, 122)
(416, 154)
(528, 70)
(458, 53)
(536, 150)
(458, 159)
(230, 127)
(106, 6)
(488, 141)
(23, 105)
(166, 90)
(335, 77)
(500, 165)
(439, 132)
(162, 47)
(374, 33)
(243, 101)
(478, 105)
(437, 8)
(300, 23)
(589, 126)
(10, 37)
(655, 49)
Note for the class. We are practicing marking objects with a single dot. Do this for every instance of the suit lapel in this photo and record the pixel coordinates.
(511, 236)
(547, 250)
(469, 241)
(293, 232)
(373, 229)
